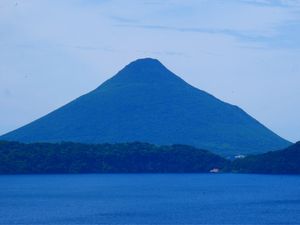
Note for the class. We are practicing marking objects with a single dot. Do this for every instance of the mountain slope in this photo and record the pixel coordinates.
(148, 103)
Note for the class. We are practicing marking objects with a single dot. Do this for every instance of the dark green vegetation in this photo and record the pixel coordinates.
(146, 102)
(285, 161)
(17, 158)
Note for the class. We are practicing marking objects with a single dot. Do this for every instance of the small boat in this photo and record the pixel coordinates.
(214, 170)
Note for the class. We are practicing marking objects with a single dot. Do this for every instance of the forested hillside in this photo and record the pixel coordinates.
(18, 158)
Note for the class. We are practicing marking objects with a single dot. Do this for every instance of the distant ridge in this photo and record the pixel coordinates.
(146, 102)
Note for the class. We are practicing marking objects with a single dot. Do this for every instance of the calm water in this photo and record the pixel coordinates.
(150, 199)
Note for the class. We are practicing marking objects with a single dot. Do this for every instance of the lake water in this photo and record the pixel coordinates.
(150, 199)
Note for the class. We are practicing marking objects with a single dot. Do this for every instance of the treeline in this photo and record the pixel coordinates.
(285, 161)
(46, 158)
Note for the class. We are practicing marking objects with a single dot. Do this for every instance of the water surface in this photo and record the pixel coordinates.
(150, 199)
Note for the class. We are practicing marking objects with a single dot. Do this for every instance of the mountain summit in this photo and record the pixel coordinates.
(146, 70)
(148, 103)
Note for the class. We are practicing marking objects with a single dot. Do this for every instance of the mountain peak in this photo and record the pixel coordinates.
(145, 70)
(146, 62)
(145, 65)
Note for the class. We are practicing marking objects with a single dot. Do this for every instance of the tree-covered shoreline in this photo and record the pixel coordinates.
(136, 157)
(43, 158)
(286, 161)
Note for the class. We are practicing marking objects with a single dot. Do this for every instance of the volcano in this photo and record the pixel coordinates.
(146, 102)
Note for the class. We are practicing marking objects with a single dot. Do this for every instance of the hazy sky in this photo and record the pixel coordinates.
(244, 52)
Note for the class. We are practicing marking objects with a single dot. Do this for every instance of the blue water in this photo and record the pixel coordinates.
(150, 199)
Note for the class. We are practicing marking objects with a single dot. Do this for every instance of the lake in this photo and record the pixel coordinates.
(150, 199)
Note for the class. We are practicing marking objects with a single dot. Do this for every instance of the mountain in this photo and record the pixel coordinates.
(286, 161)
(148, 103)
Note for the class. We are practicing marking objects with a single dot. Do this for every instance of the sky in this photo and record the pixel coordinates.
(245, 52)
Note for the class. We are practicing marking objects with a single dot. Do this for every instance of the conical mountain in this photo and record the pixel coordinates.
(148, 103)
